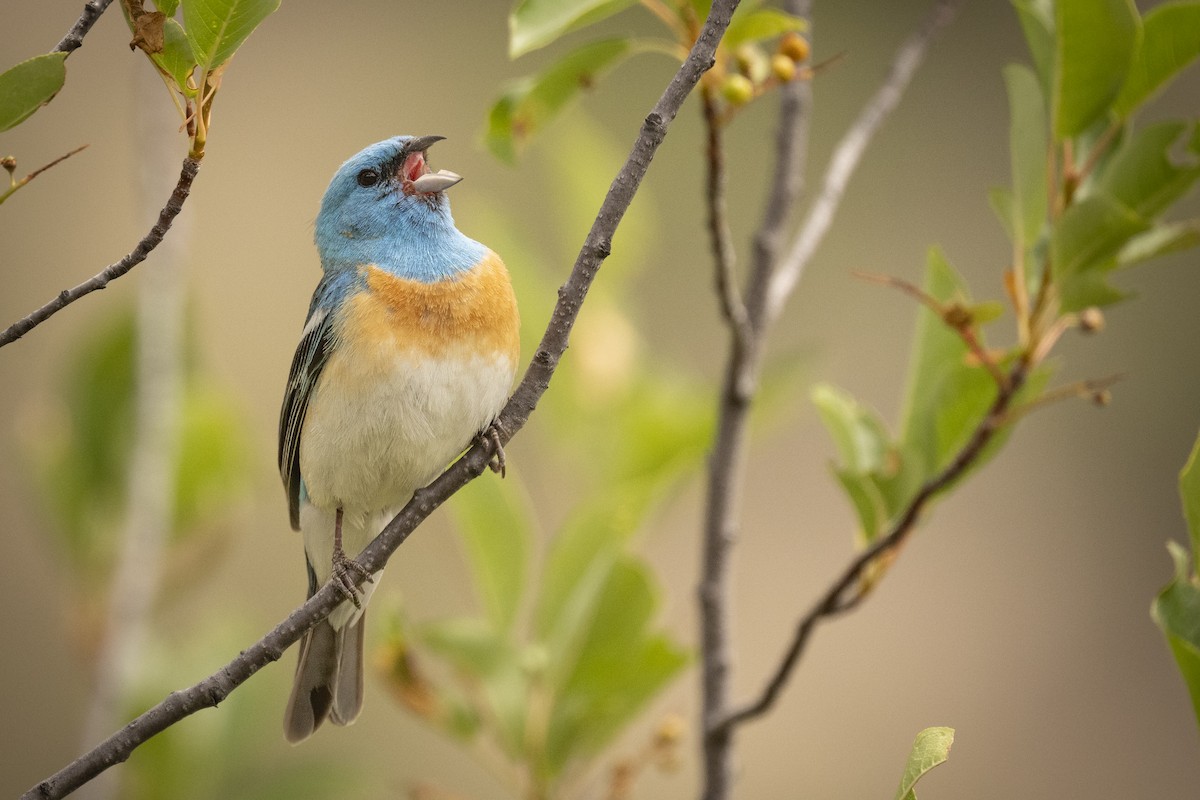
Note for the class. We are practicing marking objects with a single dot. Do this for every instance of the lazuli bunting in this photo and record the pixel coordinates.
(409, 351)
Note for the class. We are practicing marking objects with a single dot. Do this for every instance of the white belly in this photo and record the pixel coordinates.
(375, 432)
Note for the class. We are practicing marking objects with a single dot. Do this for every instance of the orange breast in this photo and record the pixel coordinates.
(474, 311)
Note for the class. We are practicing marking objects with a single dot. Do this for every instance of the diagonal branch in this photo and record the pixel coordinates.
(215, 688)
(112, 271)
(835, 600)
(848, 154)
(74, 38)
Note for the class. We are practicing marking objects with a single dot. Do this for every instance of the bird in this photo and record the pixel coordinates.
(407, 355)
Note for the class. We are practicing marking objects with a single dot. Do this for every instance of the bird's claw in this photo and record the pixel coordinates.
(344, 571)
(489, 437)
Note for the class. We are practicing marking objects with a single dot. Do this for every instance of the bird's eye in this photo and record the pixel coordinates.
(368, 177)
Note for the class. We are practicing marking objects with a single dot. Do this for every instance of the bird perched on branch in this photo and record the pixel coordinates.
(409, 352)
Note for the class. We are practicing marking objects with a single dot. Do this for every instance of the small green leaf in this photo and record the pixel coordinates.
(1159, 240)
(1189, 492)
(577, 565)
(1087, 236)
(1027, 153)
(1095, 42)
(529, 104)
(30, 85)
(1176, 611)
(1170, 41)
(1037, 23)
(537, 23)
(860, 436)
(1143, 176)
(496, 528)
(620, 665)
(943, 390)
(932, 747)
(176, 59)
(167, 7)
(762, 23)
(217, 28)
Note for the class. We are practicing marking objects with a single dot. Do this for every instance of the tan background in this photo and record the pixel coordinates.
(1018, 616)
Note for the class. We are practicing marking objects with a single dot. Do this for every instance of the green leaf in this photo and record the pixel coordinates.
(762, 23)
(495, 525)
(620, 666)
(932, 747)
(1003, 205)
(217, 28)
(176, 58)
(1027, 153)
(1176, 611)
(1159, 240)
(944, 392)
(529, 104)
(577, 565)
(1084, 244)
(1189, 492)
(1143, 176)
(30, 85)
(537, 23)
(1170, 41)
(1037, 23)
(1095, 42)
(861, 439)
(167, 7)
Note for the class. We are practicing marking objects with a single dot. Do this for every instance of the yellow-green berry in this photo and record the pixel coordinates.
(783, 67)
(737, 89)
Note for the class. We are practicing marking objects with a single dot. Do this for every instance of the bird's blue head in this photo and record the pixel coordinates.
(385, 206)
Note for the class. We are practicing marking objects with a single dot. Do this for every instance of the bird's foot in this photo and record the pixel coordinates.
(489, 437)
(345, 569)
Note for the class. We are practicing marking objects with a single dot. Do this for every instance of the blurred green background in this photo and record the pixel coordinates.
(1017, 616)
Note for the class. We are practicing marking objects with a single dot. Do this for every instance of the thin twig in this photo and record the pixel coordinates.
(963, 326)
(596, 247)
(112, 271)
(833, 601)
(849, 152)
(18, 184)
(724, 257)
(74, 38)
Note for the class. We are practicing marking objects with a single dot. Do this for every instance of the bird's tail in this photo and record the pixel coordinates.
(329, 679)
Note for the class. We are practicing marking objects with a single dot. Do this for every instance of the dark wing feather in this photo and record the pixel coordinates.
(310, 358)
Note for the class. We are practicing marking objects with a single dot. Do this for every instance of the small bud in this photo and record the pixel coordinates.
(1101, 397)
(794, 46)
(1091, 320)
(783, 67)
(9, 163)
(738, 90)
(670, 730)
(958, 316)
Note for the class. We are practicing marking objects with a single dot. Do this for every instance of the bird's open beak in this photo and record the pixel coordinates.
(415, 169)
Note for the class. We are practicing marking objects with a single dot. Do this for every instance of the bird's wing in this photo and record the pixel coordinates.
(316, 344)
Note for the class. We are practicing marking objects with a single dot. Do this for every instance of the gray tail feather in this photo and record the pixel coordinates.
(329, 679)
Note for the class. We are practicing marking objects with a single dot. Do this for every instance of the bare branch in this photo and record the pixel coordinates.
(835, 601)
(215, 688)
(112, 271)
(726, 474)
(74, 38)
(848, 154)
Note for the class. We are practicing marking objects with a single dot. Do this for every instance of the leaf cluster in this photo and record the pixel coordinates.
(1089, 195)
